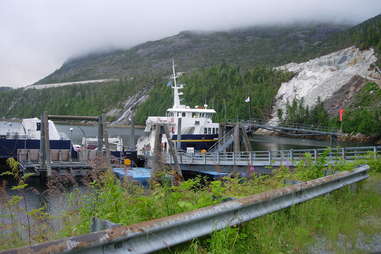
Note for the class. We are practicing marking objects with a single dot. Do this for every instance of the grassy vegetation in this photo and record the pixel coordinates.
(292, 230)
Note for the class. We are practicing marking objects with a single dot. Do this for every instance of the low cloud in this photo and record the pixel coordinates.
(38, 36)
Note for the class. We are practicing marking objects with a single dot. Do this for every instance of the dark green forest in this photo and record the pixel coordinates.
(365, 35)
(363, 115)
(86, 99)
(300, 114)
(223, 88)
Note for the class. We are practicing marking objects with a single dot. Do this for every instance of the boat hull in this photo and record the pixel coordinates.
(197, 141)
(9, 147)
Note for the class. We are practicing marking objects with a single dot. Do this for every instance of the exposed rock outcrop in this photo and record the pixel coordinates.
(324, 76)
(130, 104)
(342, 98)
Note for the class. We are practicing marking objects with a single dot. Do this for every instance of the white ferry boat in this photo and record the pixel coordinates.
(26, 135)
(197, 132)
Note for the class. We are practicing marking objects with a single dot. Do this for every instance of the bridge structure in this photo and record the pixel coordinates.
(272, 158)
(293, 129)
(231, 133)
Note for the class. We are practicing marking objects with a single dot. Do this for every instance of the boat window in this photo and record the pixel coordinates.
(205, 131)
(183, 114)
(209, 131)
(216, 130)
(197, 122)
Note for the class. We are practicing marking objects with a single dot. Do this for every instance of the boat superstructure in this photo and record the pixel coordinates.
(195, 131)
(27, 136)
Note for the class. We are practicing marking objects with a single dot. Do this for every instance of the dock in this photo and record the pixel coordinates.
(274, 158)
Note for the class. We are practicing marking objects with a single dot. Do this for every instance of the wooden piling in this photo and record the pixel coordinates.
(44, 144)
(236, 145)
(245, 139)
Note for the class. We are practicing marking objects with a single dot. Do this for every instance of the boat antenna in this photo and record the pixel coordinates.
(174, 73)
(176, 99)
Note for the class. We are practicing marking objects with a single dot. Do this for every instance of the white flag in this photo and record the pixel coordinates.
(248, 99)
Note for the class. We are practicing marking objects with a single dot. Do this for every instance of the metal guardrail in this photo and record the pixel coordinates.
(275, 158)
(162, 233)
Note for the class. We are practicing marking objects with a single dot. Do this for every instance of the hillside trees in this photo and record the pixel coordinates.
(298, 113)
(85, 99)
(224, 88)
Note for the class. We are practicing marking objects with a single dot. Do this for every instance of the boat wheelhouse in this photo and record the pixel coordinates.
(192, 129)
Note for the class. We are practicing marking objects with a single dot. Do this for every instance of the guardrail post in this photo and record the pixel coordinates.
(204, 158)
(375, 152)
(270, 157)
(343, 153)
(250, 158)
(218, 158)
(291, 155)
(315, 155)
(234, 158)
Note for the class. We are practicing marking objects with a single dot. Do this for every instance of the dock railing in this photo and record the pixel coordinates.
(276, 157)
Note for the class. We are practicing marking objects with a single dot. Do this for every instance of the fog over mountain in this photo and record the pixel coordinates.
(38, 36)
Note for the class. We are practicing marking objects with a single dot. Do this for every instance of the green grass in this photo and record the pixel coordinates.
(295, 229)
(345, 212)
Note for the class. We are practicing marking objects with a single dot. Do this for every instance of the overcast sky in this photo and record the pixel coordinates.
(37, 36)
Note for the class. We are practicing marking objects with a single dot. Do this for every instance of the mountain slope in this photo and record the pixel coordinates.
(319, 78)
(247, 47)
(365, 35)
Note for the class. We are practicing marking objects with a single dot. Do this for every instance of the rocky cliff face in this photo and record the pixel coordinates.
(324, 76)
(124, 115)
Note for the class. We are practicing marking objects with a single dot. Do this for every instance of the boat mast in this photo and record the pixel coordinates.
(176, 99)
